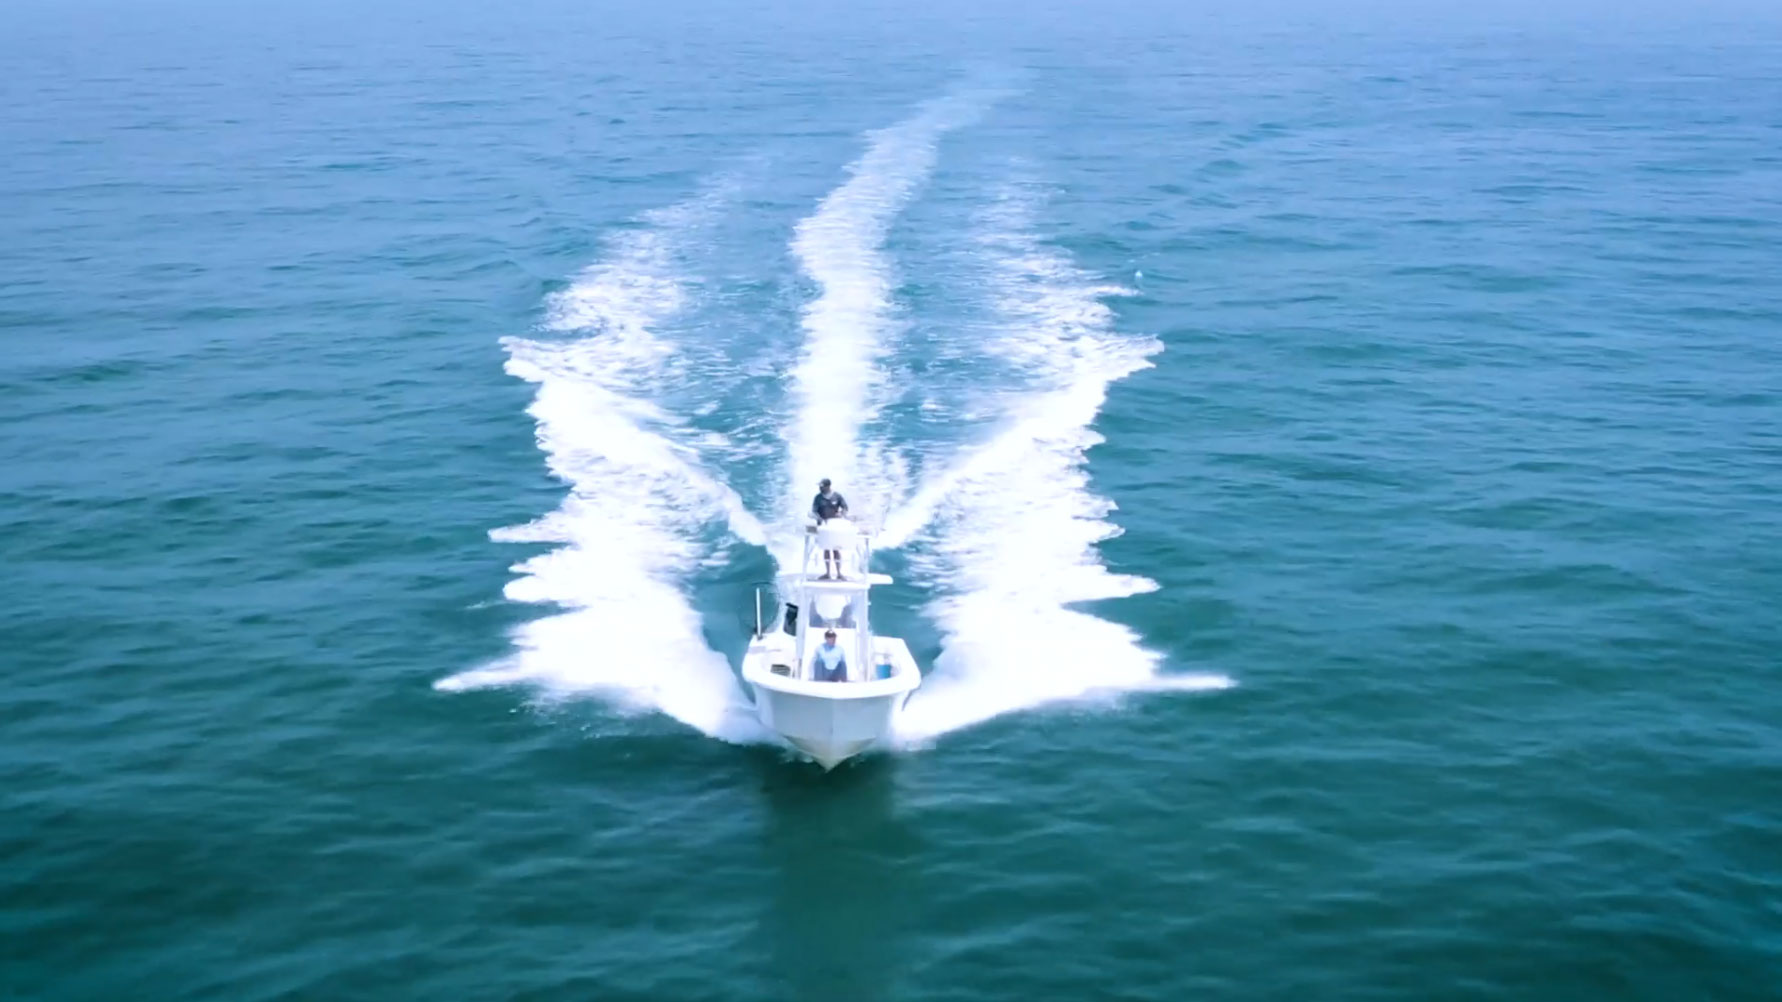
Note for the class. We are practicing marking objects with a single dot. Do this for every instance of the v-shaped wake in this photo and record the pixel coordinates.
(1003, 531)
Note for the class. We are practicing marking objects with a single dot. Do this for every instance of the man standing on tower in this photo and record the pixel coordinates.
(829, 504)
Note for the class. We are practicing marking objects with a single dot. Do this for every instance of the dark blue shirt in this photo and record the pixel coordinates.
(828, 506)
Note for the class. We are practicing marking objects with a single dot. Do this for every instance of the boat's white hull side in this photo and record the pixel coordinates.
(828, 730)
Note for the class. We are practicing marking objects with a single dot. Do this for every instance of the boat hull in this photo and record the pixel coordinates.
(829, 730)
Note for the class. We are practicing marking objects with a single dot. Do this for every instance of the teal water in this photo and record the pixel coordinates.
(1333, 458)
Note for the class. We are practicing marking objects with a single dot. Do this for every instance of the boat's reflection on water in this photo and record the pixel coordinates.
(847, 888)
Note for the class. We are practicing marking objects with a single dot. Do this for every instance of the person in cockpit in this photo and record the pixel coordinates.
(830, 665)
(826, 505)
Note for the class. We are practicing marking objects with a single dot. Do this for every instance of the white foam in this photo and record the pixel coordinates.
(636, 519)
(837, 382)
(1012, 524)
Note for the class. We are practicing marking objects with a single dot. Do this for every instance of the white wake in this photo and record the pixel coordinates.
(837, 384)
(628, 533)
(1006, 532)
(1010, 527)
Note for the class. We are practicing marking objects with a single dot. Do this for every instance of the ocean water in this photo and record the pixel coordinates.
(1330, 458)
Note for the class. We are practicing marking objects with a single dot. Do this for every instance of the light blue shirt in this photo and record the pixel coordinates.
(830, 660)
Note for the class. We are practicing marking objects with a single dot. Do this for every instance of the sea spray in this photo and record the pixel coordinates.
(1010, 526)
(837, 383)
(639, 507)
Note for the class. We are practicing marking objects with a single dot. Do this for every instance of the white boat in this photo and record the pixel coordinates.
(831, 721)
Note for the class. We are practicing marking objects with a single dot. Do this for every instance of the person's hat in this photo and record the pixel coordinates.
(823, 482)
